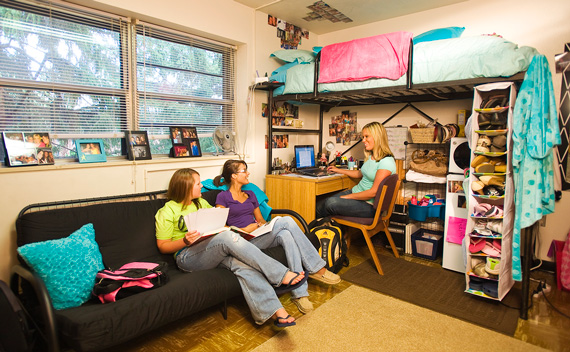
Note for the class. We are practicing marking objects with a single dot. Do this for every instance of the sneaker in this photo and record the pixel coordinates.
(303, 304)
(493, 265)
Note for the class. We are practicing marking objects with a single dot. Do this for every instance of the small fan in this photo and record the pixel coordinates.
(224, 140)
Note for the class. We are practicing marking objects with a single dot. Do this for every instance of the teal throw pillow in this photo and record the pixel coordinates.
(67, 266)
(438, 34)
(292, 55)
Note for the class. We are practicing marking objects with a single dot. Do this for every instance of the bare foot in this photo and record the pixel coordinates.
(290, 278)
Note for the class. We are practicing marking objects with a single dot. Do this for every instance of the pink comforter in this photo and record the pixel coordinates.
(381, 56)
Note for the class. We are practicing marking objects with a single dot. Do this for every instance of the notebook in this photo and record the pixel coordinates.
(305, 161)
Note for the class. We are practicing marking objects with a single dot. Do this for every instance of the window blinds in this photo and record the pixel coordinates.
(62, 70)
(183, 80)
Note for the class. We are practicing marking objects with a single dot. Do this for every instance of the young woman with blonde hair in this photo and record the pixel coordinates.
(246, 215)
(258, 274)
(379, 163)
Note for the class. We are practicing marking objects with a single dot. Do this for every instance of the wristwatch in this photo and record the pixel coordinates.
(186, 241)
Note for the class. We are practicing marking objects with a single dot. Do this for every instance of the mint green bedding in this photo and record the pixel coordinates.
(435, 61)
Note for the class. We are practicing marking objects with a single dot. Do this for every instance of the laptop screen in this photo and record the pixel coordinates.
(304, 156)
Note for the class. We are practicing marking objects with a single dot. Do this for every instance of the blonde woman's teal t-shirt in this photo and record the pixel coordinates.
(369, 169)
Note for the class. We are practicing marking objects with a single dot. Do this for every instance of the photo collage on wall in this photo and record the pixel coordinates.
(343, 127)
(185, 143)
(283, 114)
(24, 149)
(277, 141)
(290, 34)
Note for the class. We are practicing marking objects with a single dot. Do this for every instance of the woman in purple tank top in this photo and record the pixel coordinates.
(246, 215)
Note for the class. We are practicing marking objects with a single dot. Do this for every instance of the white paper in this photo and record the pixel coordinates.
(268, 226)
(207, 220)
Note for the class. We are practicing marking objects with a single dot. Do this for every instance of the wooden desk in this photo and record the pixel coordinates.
(300, 193)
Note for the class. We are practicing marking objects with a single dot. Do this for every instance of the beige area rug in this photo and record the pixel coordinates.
(359, 319)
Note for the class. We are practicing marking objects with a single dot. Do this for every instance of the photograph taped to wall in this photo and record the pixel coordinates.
(284, 109)
(90, 150)
(25, 149)
(137, 145)
(343, 127)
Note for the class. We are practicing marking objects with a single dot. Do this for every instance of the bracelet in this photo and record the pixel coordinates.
(186, 241)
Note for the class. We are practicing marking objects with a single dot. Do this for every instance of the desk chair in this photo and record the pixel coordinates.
(384, 204)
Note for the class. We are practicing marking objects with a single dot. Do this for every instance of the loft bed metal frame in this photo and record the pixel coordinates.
(426, 92)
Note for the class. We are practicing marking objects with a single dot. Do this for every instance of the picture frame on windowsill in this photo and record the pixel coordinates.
(90, 151)
(27, 149)
(185, 142)
(137, 144)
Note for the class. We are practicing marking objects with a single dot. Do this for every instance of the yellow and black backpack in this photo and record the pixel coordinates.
(328, 238)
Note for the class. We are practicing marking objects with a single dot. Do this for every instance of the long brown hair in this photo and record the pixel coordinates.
(381, 148)
(230, 168)
(181, 185)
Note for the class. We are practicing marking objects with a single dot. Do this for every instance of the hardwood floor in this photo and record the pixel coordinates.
(208, 331)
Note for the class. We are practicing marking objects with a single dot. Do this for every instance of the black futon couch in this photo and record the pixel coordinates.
(125, 232)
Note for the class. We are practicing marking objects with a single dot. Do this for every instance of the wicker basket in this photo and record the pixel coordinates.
(423, 135)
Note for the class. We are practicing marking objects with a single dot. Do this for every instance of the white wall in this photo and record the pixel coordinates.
(266, 42)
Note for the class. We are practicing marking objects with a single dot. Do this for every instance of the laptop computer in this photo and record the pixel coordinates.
(305, 161)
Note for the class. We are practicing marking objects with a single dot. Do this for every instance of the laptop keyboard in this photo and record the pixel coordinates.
(313, 172)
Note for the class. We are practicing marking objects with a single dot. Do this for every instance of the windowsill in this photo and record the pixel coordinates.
(111, 162)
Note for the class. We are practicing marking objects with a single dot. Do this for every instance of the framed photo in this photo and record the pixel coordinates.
(185, 143)
(25, 149)
(90, 150)
(137, 145)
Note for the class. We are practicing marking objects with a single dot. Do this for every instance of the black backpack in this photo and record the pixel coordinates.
(328, 238)
(15, 332)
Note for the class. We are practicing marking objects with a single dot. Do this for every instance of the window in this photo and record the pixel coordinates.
(71, 72)
(183, 81)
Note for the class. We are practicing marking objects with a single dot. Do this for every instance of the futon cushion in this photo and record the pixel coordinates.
(125, 231)
(67, 266)
(96, 326)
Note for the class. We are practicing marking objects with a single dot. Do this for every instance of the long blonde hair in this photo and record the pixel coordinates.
(181, 185)
(381, 148)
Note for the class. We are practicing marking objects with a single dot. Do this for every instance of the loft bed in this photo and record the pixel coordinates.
(435, 70)
(441, 70)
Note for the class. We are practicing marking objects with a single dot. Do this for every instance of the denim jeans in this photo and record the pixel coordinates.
(257, 273)
(334, 205)
(299, 250)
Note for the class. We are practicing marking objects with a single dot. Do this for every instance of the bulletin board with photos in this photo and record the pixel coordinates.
(185, 143)
(26, 149)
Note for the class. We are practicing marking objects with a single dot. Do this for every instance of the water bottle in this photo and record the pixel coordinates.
(414, 200)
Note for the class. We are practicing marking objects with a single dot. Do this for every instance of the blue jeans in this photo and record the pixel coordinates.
(335, 205)
(299, 250)
(257, 273)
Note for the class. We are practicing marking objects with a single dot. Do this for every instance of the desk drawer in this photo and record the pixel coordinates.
(332, 185)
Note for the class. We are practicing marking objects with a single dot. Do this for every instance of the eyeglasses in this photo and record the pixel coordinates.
(181, 224)
(241, 171)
